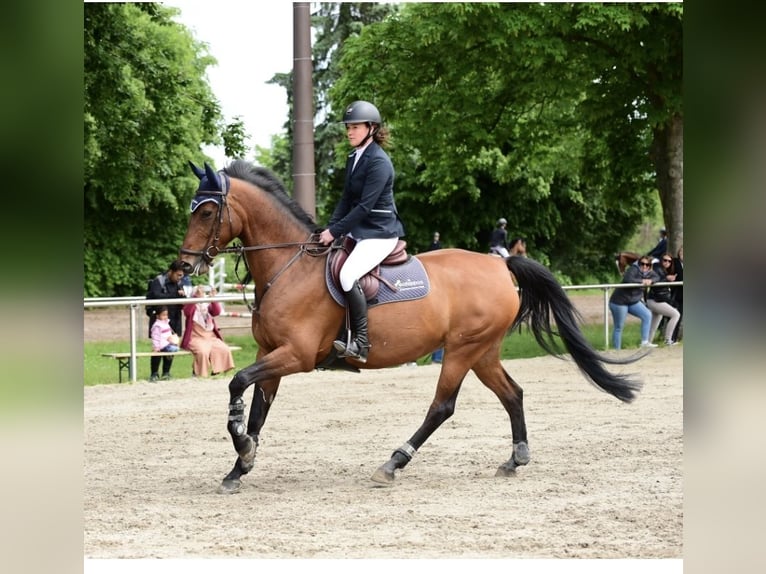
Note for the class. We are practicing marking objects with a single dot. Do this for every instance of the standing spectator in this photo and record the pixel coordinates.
(518, 246)
(163, 339)
(498, 243)
(438, 354)
(436, 243)
(166, 285)
(626, 300)
(203, 338)
(660, 302)
(662, 245)
(367, 213)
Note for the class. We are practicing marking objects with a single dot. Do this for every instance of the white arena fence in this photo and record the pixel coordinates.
(136, 305)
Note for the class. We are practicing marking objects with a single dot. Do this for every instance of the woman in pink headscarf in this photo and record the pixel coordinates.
(202, 337)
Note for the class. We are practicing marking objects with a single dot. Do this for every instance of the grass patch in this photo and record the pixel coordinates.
(100, 370)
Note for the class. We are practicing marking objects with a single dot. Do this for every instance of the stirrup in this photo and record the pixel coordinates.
(351, 350)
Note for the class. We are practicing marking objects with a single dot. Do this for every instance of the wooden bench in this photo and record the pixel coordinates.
(123, 359)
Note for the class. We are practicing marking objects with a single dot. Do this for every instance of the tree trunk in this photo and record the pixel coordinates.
(668, 158)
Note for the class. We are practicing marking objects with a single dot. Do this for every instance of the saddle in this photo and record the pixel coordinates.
(370, 283)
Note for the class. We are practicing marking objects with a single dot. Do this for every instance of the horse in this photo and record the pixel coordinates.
(471, 304)
(624, 259)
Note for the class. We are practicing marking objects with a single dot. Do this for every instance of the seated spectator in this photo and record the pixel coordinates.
(203, 338)
(163, 339)
(660, 302)
(631, 300)
(677, 293)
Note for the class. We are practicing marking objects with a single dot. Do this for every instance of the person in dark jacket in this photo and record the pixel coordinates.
(626, 300)
(167, 285)
(436, 243)
(498, 242)
(662, 245)
(367, 213)
(660, 301)
(677, 293)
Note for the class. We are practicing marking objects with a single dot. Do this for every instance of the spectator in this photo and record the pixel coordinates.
(498, 243)
(203, 338)
(518, 246)
(662, 245)
(438, 354)
(436, 243)
(677, 293)
(167, 285)
(164, 339)
(629, 300)
(366, 213)
(660, 302)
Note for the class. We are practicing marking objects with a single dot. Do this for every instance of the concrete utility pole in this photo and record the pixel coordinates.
(303, 131)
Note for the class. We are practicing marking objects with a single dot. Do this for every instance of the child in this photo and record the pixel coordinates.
(163, 339)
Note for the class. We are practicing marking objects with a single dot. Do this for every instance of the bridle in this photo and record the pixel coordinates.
(311, 246)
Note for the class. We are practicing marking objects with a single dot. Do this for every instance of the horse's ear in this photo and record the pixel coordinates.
(197, 171)
(212, 176)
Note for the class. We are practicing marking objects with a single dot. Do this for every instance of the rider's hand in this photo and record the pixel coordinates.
(325, 238)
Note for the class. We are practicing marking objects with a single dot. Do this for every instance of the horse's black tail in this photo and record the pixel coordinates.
(541, 294)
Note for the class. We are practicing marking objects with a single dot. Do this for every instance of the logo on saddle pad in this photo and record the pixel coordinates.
(398, 278)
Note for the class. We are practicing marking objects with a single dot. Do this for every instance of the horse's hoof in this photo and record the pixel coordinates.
(521, 453)
(229, 486)
(507, 469)
(383, 476)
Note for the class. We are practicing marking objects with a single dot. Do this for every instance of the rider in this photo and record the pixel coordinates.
(498, 243)
(367, 213)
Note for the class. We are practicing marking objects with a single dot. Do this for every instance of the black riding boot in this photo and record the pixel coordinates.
(357, 310)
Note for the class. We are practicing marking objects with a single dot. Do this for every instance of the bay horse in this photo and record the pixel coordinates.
(471, 305)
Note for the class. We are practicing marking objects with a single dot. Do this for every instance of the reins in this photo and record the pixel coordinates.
(311, 248)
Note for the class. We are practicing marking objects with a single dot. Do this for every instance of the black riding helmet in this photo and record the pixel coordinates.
(361, 112)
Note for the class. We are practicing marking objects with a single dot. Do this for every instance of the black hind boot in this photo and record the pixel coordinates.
(357, 310)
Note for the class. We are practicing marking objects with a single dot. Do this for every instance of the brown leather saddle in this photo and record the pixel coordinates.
(370, 283)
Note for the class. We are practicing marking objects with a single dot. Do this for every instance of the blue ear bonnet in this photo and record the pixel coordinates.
(213, 186)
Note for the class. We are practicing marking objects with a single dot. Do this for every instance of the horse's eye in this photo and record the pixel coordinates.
(206, 214)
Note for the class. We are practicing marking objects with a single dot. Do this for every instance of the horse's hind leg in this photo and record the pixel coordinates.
(511, 396)
(245, 439)
(442, 408)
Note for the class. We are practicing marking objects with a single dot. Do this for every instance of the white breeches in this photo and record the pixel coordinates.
(366, 255)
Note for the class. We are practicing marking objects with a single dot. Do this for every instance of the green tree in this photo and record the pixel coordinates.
(148, 109)
(516, 110)
(234, 138)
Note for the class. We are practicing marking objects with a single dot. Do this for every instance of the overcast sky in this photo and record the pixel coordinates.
(252, 41)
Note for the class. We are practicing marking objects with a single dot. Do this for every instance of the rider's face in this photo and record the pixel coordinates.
(356, 133)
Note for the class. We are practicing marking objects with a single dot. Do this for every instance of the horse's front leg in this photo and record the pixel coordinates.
(245, 438)
(264, 375)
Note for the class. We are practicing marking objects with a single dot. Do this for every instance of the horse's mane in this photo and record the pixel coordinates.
(266, 180)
